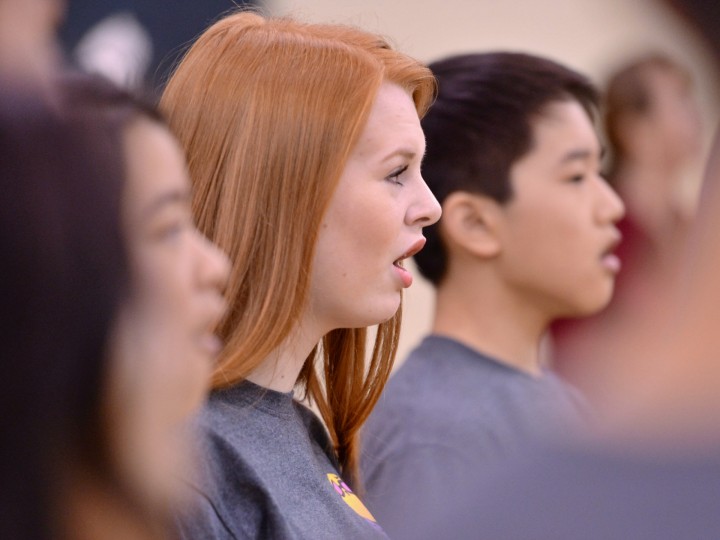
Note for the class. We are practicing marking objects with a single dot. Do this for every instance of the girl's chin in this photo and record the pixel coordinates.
(378, 316)
(370, 313)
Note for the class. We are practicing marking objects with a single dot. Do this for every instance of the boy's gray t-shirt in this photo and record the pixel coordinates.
(450, 412)
(267, 471)
(593, 489)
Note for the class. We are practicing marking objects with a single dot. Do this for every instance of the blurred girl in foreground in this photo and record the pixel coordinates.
(109, 296)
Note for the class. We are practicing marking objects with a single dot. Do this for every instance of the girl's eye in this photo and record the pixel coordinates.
(577, 178)
(172, 230)
(394, 177)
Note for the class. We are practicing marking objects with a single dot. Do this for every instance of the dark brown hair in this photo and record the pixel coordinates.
(64, 271)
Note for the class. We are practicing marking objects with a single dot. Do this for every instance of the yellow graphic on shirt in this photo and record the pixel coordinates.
(349, 497)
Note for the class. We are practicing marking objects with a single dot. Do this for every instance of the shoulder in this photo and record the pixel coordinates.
(203, 518)
(425, 409)
(440, 378)
(316, 432)
(437, 366)
(409, 404)
(229, 496)
(222, 466)
(567, 402)
(227, 442)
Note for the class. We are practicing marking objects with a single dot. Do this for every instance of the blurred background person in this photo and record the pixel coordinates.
(109, 299)
(135, 43)
(655, 140)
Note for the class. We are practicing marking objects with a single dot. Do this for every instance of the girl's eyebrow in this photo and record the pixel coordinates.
(178, 196)
(402, 152)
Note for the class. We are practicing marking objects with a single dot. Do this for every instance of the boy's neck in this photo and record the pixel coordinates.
(489, 321)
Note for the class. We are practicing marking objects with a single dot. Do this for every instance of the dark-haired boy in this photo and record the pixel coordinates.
(527, 237)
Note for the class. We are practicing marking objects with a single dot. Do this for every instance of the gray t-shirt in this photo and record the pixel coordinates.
(268, 471)
(449, 412)
(590, 491)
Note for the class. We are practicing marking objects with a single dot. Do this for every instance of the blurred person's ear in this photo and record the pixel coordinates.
(469, 223)
(703, 15)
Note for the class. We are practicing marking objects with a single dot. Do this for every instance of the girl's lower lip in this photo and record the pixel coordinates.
(405, 276)
(612, 263)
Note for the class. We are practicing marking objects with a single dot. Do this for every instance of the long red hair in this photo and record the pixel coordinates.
(268, 111)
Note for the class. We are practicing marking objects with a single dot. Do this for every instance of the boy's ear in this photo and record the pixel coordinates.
(470, 222)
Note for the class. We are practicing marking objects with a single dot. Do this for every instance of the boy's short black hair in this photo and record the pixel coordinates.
(481, 124)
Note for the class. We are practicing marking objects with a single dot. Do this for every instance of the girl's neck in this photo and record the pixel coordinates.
(280, 370)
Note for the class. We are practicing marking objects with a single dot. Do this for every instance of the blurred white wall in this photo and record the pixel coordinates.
(592, 36)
